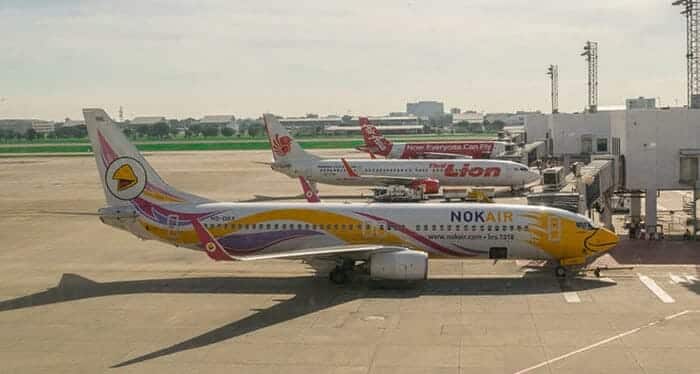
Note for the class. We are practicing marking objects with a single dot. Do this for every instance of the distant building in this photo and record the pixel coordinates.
(426, 109)
(468, 116)
(145, 121)
(17, 125)
(45, 127)
(390, 120)
(310, 126)
(640, 103)
(510, 119)
(72, 123)
(220, 121)
(384, 129)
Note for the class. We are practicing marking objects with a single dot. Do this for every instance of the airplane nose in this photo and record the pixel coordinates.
(603, 240)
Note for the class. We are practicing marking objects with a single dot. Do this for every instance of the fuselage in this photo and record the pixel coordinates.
(447, 172)
(475, 149)
(455, 230)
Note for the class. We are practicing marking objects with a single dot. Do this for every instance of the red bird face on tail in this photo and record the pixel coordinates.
(281, 145)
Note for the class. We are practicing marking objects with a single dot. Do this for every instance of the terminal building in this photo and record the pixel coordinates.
(656, 149)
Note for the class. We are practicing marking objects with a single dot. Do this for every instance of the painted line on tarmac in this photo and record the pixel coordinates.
(604, 341)
(676, 279)
(572, 297)
(658, 291)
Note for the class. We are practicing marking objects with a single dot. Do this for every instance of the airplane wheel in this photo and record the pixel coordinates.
(560, 271)
(338, 276)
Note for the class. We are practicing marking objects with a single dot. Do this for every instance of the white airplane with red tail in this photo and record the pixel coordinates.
(429, 175)
(377, 145)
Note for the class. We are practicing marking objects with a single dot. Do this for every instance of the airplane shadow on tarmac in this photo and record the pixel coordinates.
(312, 294)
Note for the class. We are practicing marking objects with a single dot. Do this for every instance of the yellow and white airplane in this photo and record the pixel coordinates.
(389, 241)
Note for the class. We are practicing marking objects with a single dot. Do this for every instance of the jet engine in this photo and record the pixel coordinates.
(428, 185)
(405, 264)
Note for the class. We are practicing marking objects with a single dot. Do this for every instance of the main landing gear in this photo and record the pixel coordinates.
(342, 271)
(560, 271)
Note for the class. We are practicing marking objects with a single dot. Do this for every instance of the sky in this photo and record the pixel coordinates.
(180, 58)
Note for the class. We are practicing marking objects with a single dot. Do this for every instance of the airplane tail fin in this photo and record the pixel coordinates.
(376, 143)
(284, 148)
(124, 173)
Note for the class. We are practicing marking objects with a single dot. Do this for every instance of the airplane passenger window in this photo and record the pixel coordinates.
(449, 227)
(417, 227)
(474, 228)
(481, 228)
(425, 227)
(381, 227)
(247, 226)
(307, 226)
(284, 226)
(520, 228)
(495, 228)
(276, 226)
(335, 227)
(434, 227)
(442, 227)
(488, 228)
(504, 228)
(457, 227)
(511, 227)
(525, 227)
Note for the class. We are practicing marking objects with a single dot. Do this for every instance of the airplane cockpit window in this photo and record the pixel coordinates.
(584, 226)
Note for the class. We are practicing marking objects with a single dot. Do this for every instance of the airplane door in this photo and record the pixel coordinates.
(172, 226)
(554, 228)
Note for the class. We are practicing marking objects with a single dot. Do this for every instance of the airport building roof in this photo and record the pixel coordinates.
(147, 120)
(220, 119)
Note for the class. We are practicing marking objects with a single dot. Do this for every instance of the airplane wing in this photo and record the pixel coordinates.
(355, 251)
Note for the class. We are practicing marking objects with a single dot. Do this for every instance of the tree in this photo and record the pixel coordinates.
(31, 134)
(227, 131)
(210, 130)
(195, 129)
(159, 130)
(142, 130)
(255, 129)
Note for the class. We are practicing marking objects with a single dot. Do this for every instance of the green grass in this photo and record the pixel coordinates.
(216, 145)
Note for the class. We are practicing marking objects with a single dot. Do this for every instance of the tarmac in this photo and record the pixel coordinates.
(77, 296)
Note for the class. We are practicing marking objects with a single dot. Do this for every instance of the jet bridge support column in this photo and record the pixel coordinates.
(606, 215)
(650, 216)
(635, 209)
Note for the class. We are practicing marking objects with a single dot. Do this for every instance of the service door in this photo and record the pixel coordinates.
(554, 228)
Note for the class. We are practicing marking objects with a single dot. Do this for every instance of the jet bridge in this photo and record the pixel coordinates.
(586, 187)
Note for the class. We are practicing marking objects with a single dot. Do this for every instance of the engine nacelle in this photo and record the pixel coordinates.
(405, 264)
(428, 185)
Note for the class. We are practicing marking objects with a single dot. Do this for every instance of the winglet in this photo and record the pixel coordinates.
(348, 168)
(309, 193)
(210, 245)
